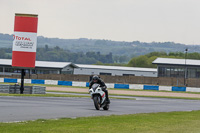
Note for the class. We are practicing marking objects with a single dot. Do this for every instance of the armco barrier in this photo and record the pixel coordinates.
(192, 89)
(81, 84)
(136, 86)
(2, 80)
(51, 82)
(151, 87)
(25, 81)
(37, 81)
(87, 84)
(68, 83)
(10, 80)
(165, 88)
(161, 81)
(178, 88)
(121, 86)
(109, 85)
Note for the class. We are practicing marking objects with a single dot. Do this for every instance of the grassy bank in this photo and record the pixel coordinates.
(173, 122)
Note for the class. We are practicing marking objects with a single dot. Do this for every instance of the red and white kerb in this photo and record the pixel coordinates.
(25, 40)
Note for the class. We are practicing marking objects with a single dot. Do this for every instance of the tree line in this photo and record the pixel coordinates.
(58, 54)
(61, 55)
(118, 48)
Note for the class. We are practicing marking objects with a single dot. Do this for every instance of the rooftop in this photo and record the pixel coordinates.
(49, 64)
(170, 61)
(116, 68)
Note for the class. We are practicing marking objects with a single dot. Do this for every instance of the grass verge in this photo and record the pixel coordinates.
(173, 122)
(42, 95)
(56, 95)
(188, 98)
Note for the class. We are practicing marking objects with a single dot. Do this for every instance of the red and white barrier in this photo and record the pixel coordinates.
(25, 41)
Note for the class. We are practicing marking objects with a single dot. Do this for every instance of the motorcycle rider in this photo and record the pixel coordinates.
(96, 79)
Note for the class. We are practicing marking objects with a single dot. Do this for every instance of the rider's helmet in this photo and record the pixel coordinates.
(95, 78)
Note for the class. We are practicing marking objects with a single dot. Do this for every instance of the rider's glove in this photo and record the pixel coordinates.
(104, 88)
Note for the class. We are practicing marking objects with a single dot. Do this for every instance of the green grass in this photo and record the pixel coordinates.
(188, 98)
(155, 91)
(67, 91)
(173, 122)
(42, 95)
(56, 95)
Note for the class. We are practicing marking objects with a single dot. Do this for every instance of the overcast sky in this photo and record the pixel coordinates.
(118, 20)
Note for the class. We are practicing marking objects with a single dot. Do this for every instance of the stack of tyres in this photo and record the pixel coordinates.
(39, 90)
(4, 88)
(27, 90)
(14, 89)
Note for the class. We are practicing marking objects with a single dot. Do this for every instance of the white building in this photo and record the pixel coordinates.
(114, 70)
(169, 67)
(41, 67)
(47, 67)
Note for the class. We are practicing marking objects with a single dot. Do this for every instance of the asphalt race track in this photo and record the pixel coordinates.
(32, 108)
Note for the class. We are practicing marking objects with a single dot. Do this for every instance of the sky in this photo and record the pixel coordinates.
(118, 20)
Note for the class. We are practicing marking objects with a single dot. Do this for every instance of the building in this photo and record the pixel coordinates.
(41, 67)
(169, 67)
(114, 70)
(46, 67)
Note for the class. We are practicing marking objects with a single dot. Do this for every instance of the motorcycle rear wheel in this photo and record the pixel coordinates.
(97, 102)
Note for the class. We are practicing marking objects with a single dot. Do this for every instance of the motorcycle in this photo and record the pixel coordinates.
(99, 97)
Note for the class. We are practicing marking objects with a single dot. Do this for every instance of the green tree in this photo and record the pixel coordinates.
(140, 61)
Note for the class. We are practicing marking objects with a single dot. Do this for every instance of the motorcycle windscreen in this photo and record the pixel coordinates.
(95, 86)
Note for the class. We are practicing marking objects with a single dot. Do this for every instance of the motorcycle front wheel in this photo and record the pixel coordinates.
(97, 102)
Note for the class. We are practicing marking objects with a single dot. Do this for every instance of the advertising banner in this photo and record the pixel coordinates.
(25, 41)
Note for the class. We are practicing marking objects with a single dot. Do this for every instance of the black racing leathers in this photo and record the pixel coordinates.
(100, 82)
(102, 85)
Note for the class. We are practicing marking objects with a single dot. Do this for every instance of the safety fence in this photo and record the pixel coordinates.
(160, 81)
(109, 85)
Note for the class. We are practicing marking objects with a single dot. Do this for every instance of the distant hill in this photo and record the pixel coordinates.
(84, 45)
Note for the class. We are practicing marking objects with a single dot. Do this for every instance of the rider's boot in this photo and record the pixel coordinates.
(107, 99)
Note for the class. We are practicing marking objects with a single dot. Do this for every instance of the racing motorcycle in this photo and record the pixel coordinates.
(99, 97)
